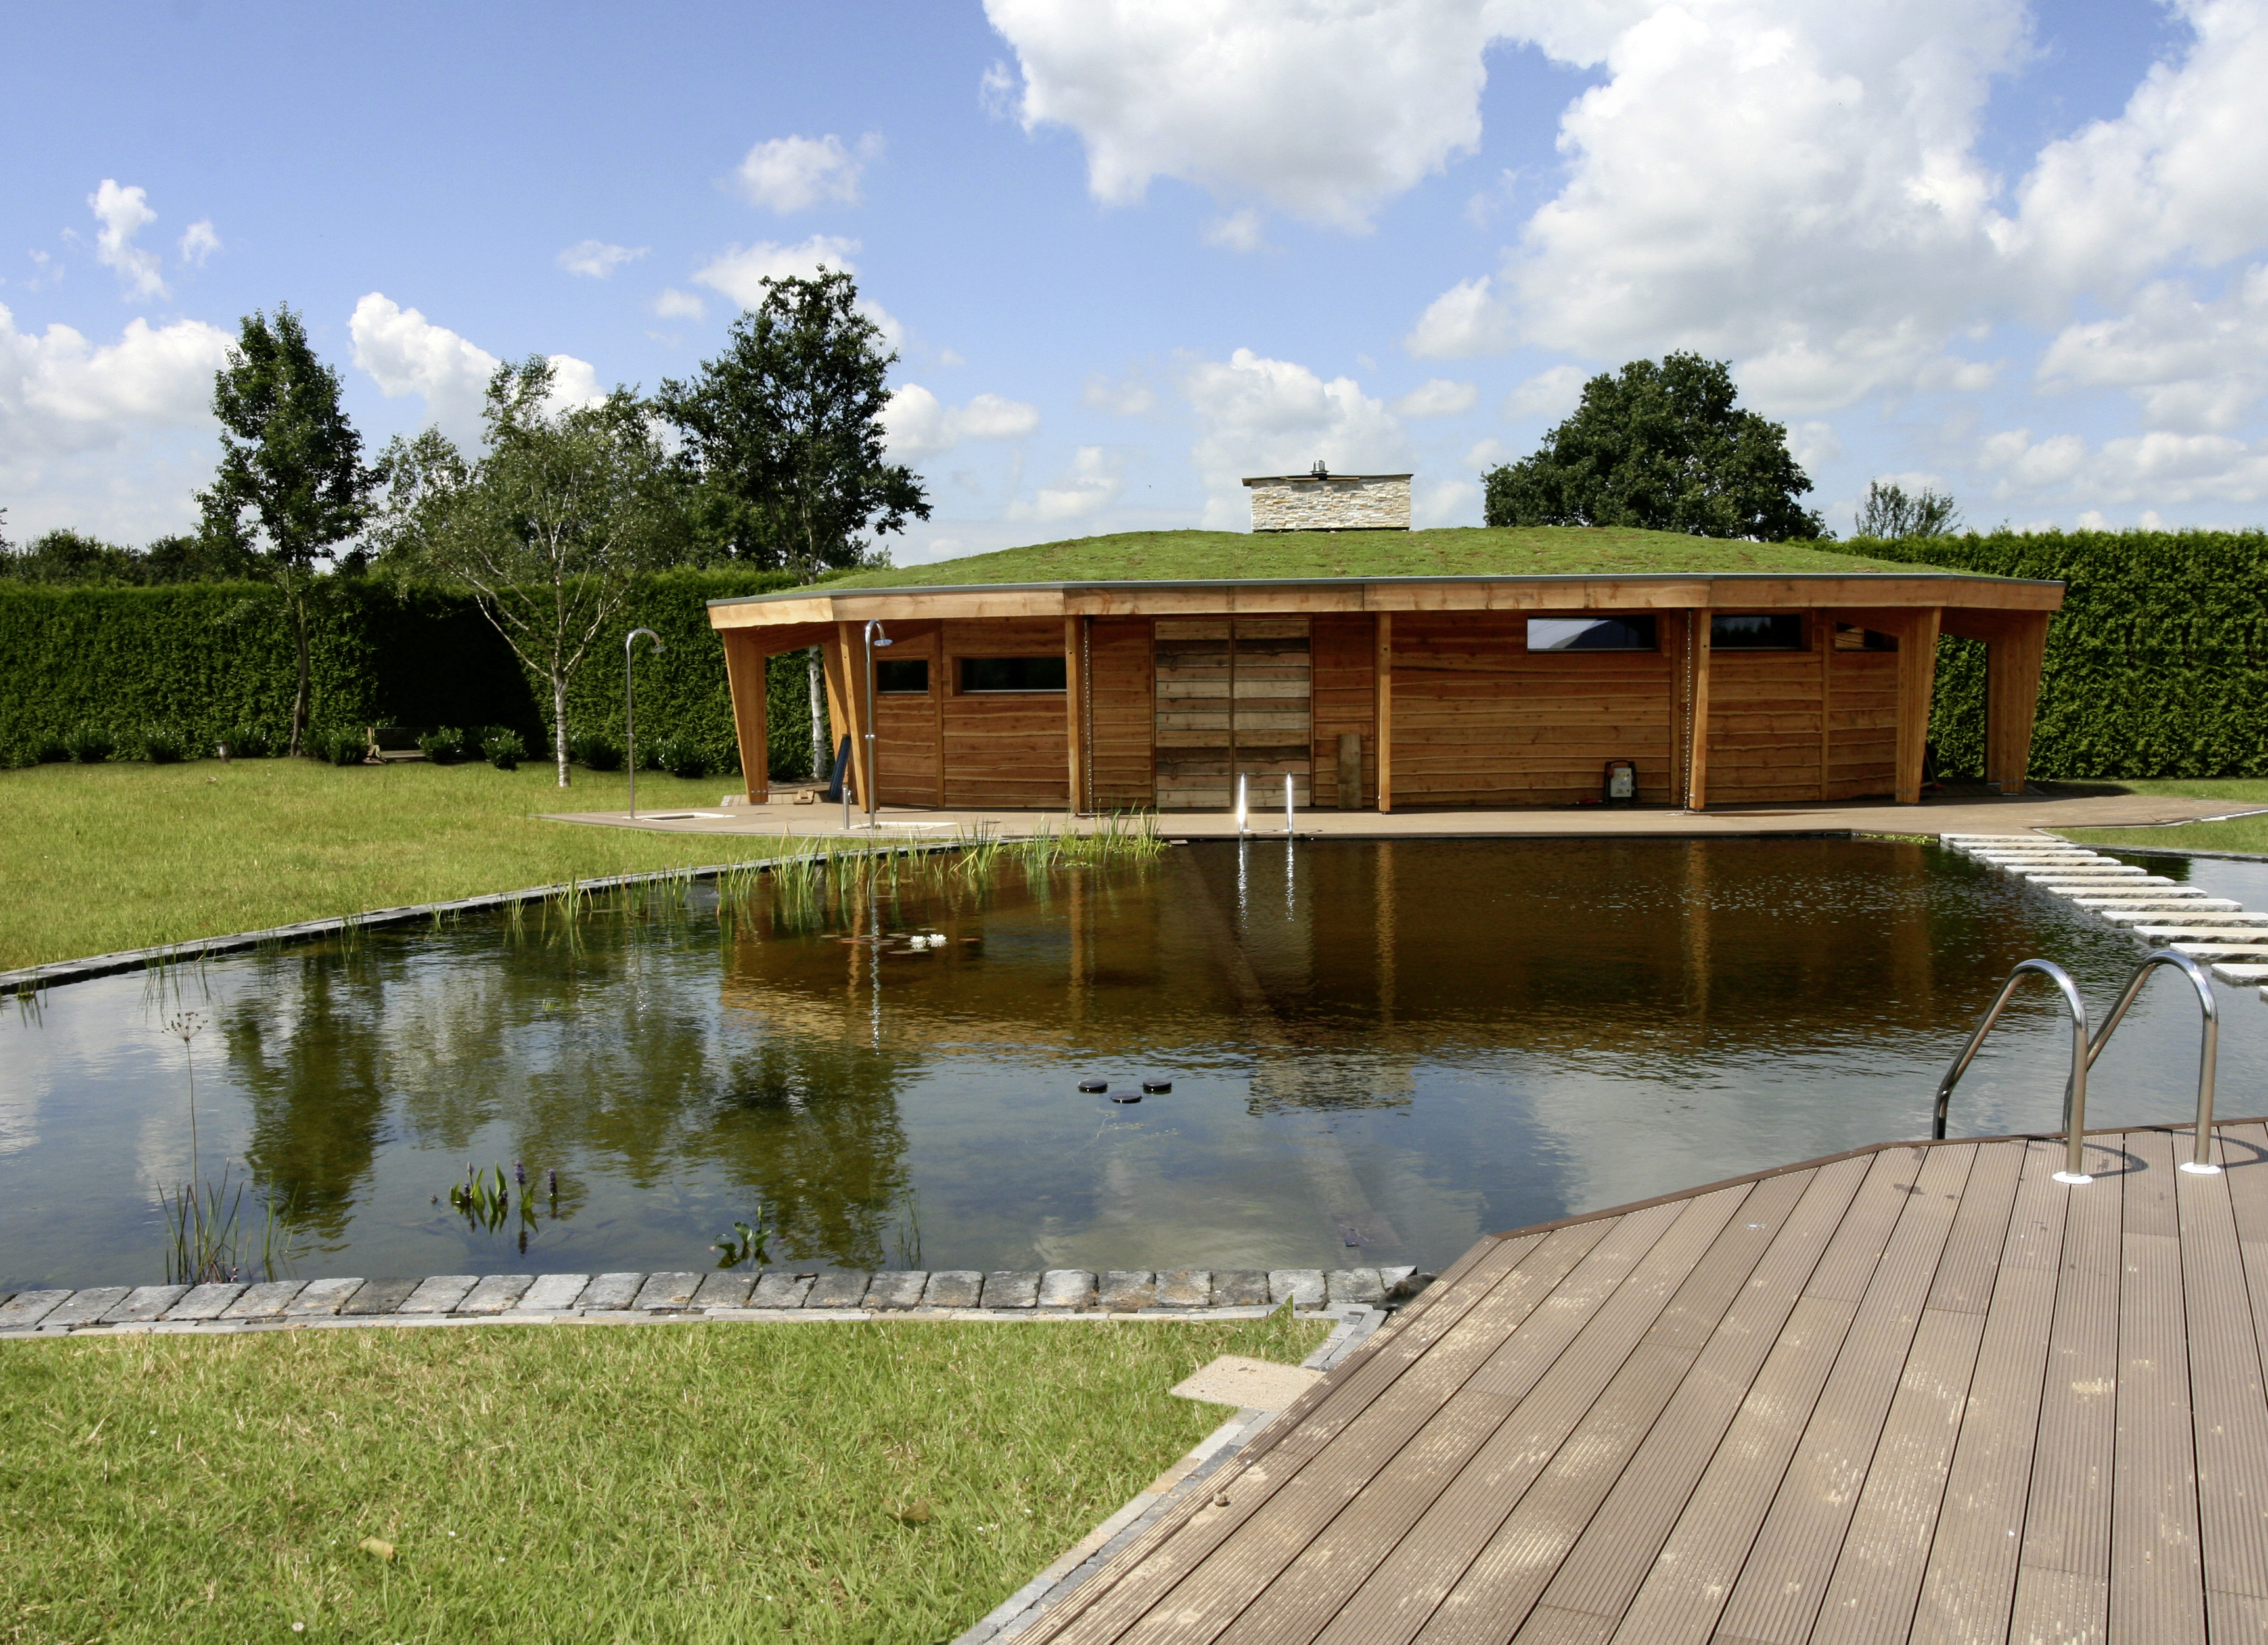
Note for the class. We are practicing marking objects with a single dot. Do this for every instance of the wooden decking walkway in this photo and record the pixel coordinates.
(1915, 1393)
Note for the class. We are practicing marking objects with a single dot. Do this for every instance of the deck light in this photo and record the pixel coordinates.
(630, 716)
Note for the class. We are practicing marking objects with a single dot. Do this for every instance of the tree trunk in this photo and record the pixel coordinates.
(300, 696)
(821, 755)
(559, 723)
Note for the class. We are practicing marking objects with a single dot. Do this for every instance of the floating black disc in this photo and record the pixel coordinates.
(1097, 1087)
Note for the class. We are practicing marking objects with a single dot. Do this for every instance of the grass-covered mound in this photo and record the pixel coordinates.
(1456, 551)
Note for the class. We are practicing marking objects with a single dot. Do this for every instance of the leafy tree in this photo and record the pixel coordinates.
(782, 436)
(291, 483)
(550, 529)
(1888, 512)
(67, 556)
(1661, 447)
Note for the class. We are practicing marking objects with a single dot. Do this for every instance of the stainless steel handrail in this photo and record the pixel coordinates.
(2075, 1091)
(2208, 1046)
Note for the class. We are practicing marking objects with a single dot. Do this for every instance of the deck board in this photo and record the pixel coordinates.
(1919, 1391)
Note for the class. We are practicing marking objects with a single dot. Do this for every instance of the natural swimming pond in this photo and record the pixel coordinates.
(1377, 1051)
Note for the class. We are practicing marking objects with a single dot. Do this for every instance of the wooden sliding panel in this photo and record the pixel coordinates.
(1916, 674)
(1194, 725)
(1121, 712)
(1862, 716)
(907, 770)
(1765, 719)
(1346, 703)
(1271, 715)
(1075, 711)
(1004, 748)
(838, 658)
(1697, 696)
(1382, 683)
(2012, 664)
(745, 676)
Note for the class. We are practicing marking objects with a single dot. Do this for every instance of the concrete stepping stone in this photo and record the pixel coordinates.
(1011, 1288)
(439, 1294)
(1185, 1288)
(84, 1308)
(554, 1293)
(2199, 928)
(1360, 1286)
(610, 1293)
(145, 1302)
(2221, 951)
(1063, 1290)
(2238, 973)
(778, 1288)
(496, 1293)
(25, 1309)
(1126, 1290)
(2182, 901)
(953, 1288)
(724, 1289)
(1240, 1287)
(899, 1288)
(1302, 1288)
(205, 1302)
(322, 1297)
(1249, 1383)
(667, 1293)
(386, 1296)
(2191, 916)
(838, 1291)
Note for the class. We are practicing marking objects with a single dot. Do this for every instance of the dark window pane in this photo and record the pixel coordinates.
(1011, 674)
(901, 676)
(1848, 637)
(1776, 631)
(1590, 634)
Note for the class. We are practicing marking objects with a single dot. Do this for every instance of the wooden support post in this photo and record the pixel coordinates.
(1822, 641)
(1697, 752)
(746, 675)
(2013, 661)
(838, 660)
(1075, 710)
(1916, 674)
(1383, 682)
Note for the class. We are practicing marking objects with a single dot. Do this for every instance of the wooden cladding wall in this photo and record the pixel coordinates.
(1232, 696)
(1862, 723)
(1120, 713)
(1345, 700)
(1273, 693)
(1764, 740)
(1480, 720)
(908, 730)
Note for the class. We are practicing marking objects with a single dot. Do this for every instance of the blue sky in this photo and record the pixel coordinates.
(1130, 252)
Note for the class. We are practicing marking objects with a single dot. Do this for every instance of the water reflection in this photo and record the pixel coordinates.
(1378, 1050)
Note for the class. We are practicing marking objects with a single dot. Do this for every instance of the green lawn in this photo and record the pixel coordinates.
(2239, 834)
(1460, 551)
(125, 856)
(716, 1481)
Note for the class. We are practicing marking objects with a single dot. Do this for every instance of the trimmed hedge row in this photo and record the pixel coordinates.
(194, 664)
(2157, 665)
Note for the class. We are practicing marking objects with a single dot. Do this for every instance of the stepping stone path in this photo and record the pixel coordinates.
(2212, 930)
(812, 1294)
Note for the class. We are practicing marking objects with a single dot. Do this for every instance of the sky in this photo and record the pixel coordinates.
(1130, 252)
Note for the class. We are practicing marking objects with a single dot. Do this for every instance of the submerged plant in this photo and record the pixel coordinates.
(745, 1244)
(206, 1234)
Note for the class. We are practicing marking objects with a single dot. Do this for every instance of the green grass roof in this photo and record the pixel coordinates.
(1458, 551)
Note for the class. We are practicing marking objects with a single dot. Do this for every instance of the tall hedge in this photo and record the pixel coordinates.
(2157, 665)
(206, 659)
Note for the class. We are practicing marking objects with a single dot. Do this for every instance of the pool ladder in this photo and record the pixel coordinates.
(2085, 1047)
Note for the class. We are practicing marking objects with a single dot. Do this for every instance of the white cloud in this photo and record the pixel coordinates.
(407, 354)
(2193, 366)
(596, 260)
(793, 174)
(123, 214)
(199, 241)
(1238, 232)
(2157, 469)
(1813, 443)
(1439, 397)
(1261, 416)
(1465, 321)
(1322, 108)
(740, 273)
(1123, 397)
(918, 425)
(57, 393)
(675, 304)
(1091, 485)
(1444, 502)
(1548, 395)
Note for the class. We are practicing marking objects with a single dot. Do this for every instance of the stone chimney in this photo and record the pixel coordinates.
(1321, 500)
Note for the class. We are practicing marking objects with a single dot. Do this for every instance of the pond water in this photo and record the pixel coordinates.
(1377, 1051)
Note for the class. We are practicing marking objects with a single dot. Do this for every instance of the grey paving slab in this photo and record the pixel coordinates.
(779, 1288)
(2186, 901)
(2221, 950)
(323, 1296)
(1122, 1290)
(1185, 1288)
(205, 1302)
(381, 1297)
(953, 1288)
(84, 1308)
(1062, 1288)
(2243, 975)
(610, 1292)
(1400, 1283)
(1303, 1287)
(900, 1288)
(438, 1294)
(838, 1291)
(1011, 1288)
(496, 1293)
(724, 1289)
(1240, 1287)
(667, 1293)
(554, 1293)
(144, 1303)
(26, 1309)
(1355, 1285)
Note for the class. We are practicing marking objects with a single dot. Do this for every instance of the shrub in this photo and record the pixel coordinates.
(342, 747)
(48, 750)
(503, 748)
(681, 756)
(595, 753)
(444, 746)
(88, 746)
(163, 747)
(247, 742)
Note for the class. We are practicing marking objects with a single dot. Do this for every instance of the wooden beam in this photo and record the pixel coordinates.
(2012, 663)
(1075, 710)
(836, 662)
(1382, 683)
(746, 677)
(1697, 752)
(1917, 675)
(1823, 642)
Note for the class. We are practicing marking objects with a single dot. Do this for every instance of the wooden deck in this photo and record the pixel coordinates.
(1914, 1393)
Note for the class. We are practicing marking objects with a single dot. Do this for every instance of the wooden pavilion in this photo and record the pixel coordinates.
(1381, 669)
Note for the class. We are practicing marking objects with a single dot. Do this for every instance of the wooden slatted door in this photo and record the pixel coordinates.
(1194, 731)
(1234, 695)
(1272, 688)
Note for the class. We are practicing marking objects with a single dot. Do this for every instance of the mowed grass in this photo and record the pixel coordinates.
(703, 1481)
(2237, 833)
(98, 858)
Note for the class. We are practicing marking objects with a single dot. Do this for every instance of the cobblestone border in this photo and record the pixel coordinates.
(774, 1294)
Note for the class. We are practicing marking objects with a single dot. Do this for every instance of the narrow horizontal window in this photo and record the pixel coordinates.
(1590, 634)
(1772, 631)
(1011, 674)
(902, 676)
(1851, 637)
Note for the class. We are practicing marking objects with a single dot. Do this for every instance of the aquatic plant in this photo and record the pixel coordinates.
(484, 1198)
(205, 1220)
(747, 1243)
